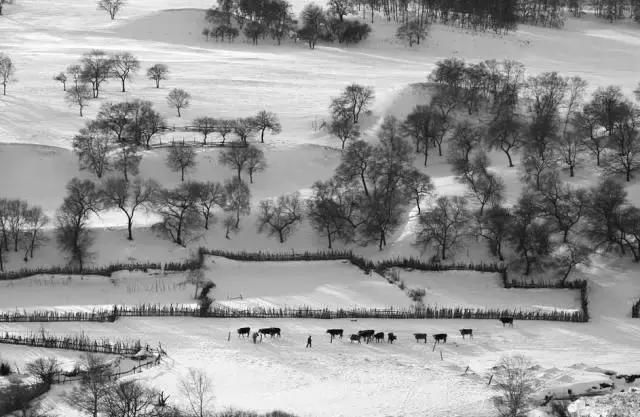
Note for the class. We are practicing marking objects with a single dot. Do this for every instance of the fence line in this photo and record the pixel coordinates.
(291, 313)
(79, 343)
(364, 264)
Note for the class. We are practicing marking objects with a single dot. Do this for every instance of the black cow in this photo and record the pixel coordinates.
(506, 320)
(366, 334)
(355, 338)
(244, 331)
(391, 337)
(275, 331)
(379, 337)
(335, 333)
(420, 336)
(465, 332)
(440, 337)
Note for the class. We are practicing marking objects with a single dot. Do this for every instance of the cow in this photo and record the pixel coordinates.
(244, 331)
(465, 332)
(379, 337)
(420, 336)
(506, 320)
(440, 337)
(355, 338)
(366, 334)
(335, 333)
(391, 337)
(275, 331)
(265, 331)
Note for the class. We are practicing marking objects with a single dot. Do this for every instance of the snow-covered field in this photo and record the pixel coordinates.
(233, 80)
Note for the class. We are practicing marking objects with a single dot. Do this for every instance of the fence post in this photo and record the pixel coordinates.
(490, 379)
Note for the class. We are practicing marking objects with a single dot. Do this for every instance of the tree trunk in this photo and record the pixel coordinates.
(4, 89)
(33, 244)
(81, 110)
(509, 157)
(329, 237)
(178, 111)
(444, 251)
(239, 169)
(182, 174)
(206, 220)
(565, 235)
(280, 236)
(157, 83)
(129, 227)
(250, 176)
(571, 171)
(262, 136)
(123, 89)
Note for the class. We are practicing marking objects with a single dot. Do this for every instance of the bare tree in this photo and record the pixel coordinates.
(529, 234)
(125, 65)
(255, 161)
(205, 125)
(197, 388)
(344, 129)
(314, 22)
(564, 204)
(506, 133)
(157, 73)
(128, 197)
(235, 157)
(74, 72)
(72, 233)
(7, 71)
(570, 255)
(570, 146)
(420, 185)
(45, 369)
(341, 8)
(89, 396)
(79, 95)
(178, 208)
(576, 89)
(210, 195)
(420, 126)
(129, 399)
(111, 6)
(587, 125)
(61, 78)
(34, 221)
(357, 98)
(181, 158)
(96, 69)
(238, 197)
(443, 225)
(624, 142)
(93, 146)
(493, 226)
(413, 31)
(223, 128)
(266, 120)
(14, 216)
(280, 217)
(515, 380)
(332, 211)
(244, 128)
(179, 99)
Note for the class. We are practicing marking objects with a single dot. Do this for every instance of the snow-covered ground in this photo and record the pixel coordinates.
(233, 80)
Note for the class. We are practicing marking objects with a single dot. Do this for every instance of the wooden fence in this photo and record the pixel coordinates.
(79, 343)
(293, 313)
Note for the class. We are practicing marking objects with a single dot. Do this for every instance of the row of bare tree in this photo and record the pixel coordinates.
(20, 228)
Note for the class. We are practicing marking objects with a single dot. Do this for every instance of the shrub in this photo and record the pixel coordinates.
(417, 294)
(5, 368)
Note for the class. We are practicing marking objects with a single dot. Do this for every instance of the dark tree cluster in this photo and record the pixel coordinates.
(345, 112)
(499, 16)
(367, 198)
(21, 228)
(112, 141)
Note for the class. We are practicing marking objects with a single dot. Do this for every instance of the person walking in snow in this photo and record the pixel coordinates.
(309, 342)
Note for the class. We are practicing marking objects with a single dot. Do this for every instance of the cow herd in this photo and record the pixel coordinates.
(366, 335)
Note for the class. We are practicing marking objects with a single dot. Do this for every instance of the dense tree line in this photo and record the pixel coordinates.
(274, 19)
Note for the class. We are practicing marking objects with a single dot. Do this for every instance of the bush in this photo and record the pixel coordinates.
(5, 369)
(417, 294)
